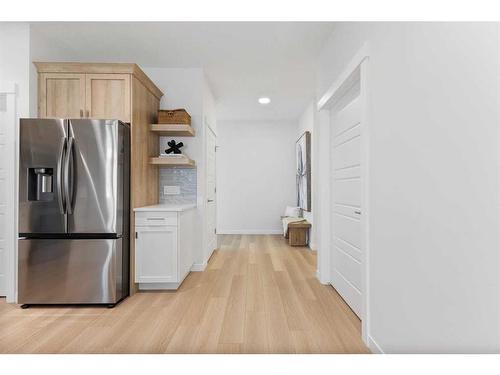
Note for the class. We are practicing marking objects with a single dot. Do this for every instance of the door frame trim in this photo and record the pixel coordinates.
(208, 251)
(10, 90)
(355, 71)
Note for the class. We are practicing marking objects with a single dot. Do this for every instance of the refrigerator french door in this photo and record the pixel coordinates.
(73, 211)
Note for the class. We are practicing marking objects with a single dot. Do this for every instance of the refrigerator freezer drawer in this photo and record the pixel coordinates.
(77, 271)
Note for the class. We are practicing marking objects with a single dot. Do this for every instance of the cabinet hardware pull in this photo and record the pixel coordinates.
(357, 212)
(88, 114)
(155, 218)
(136, 235)
(81, 113)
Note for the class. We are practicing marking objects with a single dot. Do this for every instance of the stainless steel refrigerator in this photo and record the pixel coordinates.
(73, 211)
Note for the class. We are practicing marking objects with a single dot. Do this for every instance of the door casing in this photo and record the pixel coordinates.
(355, 73)
(8, 177)
(211, 207)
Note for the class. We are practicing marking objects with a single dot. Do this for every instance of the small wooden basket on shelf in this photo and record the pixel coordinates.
(175, 122)
(174, 116)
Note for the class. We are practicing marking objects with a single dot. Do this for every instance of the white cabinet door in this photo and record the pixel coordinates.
(156, 254)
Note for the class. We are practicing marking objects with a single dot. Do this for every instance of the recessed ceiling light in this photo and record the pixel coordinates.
(264, 100)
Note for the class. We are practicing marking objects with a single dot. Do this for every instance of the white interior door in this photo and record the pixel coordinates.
(211, 212)
(347, 245)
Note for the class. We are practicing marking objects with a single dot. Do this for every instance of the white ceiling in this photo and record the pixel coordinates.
(242, 60)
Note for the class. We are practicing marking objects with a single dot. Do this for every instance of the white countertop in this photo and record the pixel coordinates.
(167, 207)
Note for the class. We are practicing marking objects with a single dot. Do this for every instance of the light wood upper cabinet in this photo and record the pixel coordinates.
(108, 96)
(61, 95)
(89, 90)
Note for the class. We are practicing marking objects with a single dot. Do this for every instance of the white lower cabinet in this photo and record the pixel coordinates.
(163, 248)
(156, 255)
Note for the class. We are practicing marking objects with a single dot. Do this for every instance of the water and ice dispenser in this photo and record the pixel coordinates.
(40, 184)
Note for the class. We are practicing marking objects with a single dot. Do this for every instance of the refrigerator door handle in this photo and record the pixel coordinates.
(68, 175)
(59, 177)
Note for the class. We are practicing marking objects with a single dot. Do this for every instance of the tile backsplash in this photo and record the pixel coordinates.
(185, 178)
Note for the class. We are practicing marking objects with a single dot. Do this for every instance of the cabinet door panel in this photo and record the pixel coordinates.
(156, 255)
(61, 95)
(108, 96)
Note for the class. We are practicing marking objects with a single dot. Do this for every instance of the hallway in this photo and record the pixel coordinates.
(257, 295)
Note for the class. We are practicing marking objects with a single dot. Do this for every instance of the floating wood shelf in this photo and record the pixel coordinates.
(180, 130)
(172, 161)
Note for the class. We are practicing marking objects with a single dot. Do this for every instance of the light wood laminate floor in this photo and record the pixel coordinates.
(257, 295)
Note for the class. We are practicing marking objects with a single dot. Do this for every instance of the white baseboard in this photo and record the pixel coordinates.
(373, 346)
(318, 276)
(198, 267)
(11, 299)
(159, 286)
(250, 231)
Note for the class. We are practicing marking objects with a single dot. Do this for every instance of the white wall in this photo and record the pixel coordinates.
(15, 60)
(255, 175)
(43, 49)
(306, 123)
(183, 88)
(434, 115)
(187, 88)
(209, 105)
